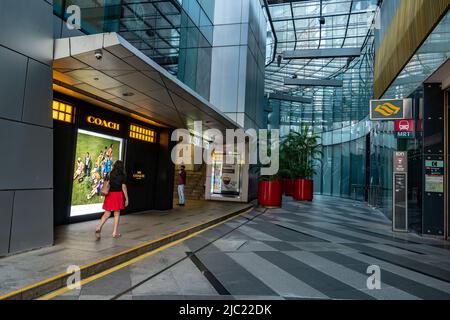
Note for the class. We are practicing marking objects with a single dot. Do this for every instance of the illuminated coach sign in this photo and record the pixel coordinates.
(390, 109)
(138, 175)
(103, 123)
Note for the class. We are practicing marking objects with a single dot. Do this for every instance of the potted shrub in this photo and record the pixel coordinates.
(301, 151)
(270, 188)
(286, 181)
(270, 192)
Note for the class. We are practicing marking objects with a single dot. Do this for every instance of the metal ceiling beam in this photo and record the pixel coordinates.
(286, 97)
(272, 2)
(326, 15)
(313, 82)
(322, 53)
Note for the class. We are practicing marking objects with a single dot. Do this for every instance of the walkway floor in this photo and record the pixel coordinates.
(76, 244)
(318, 250)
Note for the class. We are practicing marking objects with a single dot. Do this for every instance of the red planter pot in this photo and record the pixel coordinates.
(270, 193)
(303, 190)
(288, 187)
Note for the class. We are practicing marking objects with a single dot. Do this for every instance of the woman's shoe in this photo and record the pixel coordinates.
(98, 234)
(117, 235)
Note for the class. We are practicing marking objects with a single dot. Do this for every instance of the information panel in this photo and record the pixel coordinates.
(400, 192)
(434, 176)
(400, 217)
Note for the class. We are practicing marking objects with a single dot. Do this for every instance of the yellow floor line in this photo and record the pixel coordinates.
(134, 260)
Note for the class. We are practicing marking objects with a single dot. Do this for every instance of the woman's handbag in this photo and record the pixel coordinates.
(105, 188)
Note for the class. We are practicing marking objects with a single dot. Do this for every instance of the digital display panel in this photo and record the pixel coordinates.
(226, 178)
(94, 157)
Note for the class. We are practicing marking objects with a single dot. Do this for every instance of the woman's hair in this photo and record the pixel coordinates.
(118, 169)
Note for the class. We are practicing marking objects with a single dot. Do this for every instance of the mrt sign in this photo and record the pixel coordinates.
(390, 109)
(405, 129)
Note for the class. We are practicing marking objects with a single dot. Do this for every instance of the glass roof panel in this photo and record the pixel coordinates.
(297, 25)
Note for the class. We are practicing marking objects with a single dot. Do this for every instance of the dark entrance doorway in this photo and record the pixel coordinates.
(141, 169)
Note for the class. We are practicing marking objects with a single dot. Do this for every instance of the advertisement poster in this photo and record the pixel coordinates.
(94, 157)
(226, 177)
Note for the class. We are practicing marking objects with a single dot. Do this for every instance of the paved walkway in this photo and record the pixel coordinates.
(76, 244)
(318, 250)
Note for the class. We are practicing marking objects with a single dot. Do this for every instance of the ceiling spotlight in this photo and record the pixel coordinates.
(128, 94)
(279, 58)
(322, 20)
(150, 33)
(98, 54)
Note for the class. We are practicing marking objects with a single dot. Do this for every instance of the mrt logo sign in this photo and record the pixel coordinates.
(383, 110)
(404, 125)
(405, 129)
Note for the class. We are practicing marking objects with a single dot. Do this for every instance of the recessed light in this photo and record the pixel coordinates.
(96, 79)
(128, 94)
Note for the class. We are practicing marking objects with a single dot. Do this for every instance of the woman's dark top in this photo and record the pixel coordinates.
(116, 182)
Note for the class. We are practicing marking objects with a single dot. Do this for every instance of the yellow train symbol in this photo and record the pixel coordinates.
(387, 109)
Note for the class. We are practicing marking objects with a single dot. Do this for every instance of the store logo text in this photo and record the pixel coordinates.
(103, 123)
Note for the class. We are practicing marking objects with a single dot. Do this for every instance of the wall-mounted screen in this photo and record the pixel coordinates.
(94, 158)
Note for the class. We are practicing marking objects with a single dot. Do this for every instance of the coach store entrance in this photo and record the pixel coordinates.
(87, 142)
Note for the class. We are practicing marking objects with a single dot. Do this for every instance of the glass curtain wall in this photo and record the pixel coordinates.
(357, 154)
(177, 34)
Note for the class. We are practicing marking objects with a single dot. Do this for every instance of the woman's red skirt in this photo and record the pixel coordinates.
(114, 201)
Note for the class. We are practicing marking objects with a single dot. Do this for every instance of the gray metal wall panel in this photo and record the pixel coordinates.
(57, 27)
(239, 91)
(225, 78)
(6, 204)
(27, 162)
(38, 95)
(27, 27)
(26, 44)
(32, 224)
(227, 12)
(13, 68)
(227, 35)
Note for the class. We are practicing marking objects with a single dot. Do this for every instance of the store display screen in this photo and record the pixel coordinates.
(94, 157)
(226, 177)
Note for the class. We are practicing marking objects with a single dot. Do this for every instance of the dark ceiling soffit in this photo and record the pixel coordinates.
(313, 82)
(322, 53)
(285, 97)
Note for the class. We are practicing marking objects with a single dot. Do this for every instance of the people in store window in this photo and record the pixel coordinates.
(79, 171)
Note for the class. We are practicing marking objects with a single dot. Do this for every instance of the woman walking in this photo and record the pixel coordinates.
(114, 200)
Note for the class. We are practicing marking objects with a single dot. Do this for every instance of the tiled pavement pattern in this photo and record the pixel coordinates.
(318, 250)
(75, 244)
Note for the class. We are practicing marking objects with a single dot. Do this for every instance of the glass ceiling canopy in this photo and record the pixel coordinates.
(297, 26)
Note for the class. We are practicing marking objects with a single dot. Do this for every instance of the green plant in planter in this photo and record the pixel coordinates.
(257, 167)
(299, 153)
